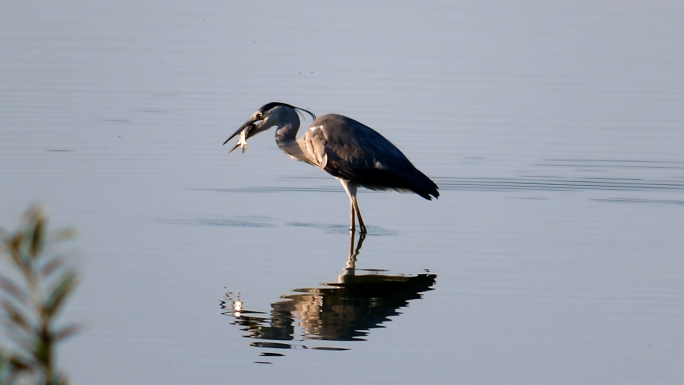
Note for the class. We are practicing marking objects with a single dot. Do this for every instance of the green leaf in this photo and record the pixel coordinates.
(59, 293)
(16, 316)
(51, 266)
(66, 332)
(24, 340)
(37, 235)
(13, 290)
(14, 246)
(28, 308)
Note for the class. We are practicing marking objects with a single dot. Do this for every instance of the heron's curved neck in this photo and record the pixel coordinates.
(286, 139)
(287, 132)
(287, 129)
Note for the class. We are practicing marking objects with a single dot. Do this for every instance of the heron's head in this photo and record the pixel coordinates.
(267, 116)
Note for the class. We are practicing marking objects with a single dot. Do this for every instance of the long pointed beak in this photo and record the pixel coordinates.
(248, 123)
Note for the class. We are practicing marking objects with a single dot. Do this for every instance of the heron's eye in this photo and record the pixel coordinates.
(258, 115)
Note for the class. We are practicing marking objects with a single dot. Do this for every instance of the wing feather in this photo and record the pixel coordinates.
(353, 151)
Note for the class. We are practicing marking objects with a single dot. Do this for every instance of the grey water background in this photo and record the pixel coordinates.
(554, 130)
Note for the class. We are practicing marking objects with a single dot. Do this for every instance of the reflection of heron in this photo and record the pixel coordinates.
(345, 310)
(352, 152)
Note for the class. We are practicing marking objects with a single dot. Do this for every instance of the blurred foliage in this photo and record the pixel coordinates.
(32, 294)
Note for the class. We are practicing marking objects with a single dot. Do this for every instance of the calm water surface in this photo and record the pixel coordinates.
(554, 254)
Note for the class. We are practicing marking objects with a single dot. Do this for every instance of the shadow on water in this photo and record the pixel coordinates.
(239, 221)
(261, 222)
(341, 229)
(345, 310)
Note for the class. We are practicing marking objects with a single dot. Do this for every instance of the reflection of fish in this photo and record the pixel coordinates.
(242, 141)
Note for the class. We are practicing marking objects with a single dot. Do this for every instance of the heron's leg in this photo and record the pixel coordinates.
(358, 214)
(351, 188)
(351, 216)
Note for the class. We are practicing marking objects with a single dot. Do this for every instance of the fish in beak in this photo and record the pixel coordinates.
(246, 131)
(266, 117)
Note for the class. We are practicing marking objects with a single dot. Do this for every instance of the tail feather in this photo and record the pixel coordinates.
(424, 186)
(413, 180)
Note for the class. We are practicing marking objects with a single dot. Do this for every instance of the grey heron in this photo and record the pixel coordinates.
(350, 151)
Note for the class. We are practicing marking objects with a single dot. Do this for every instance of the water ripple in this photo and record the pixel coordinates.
(647, 201)
(556, 184)
(343, 229)
(229, 222)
